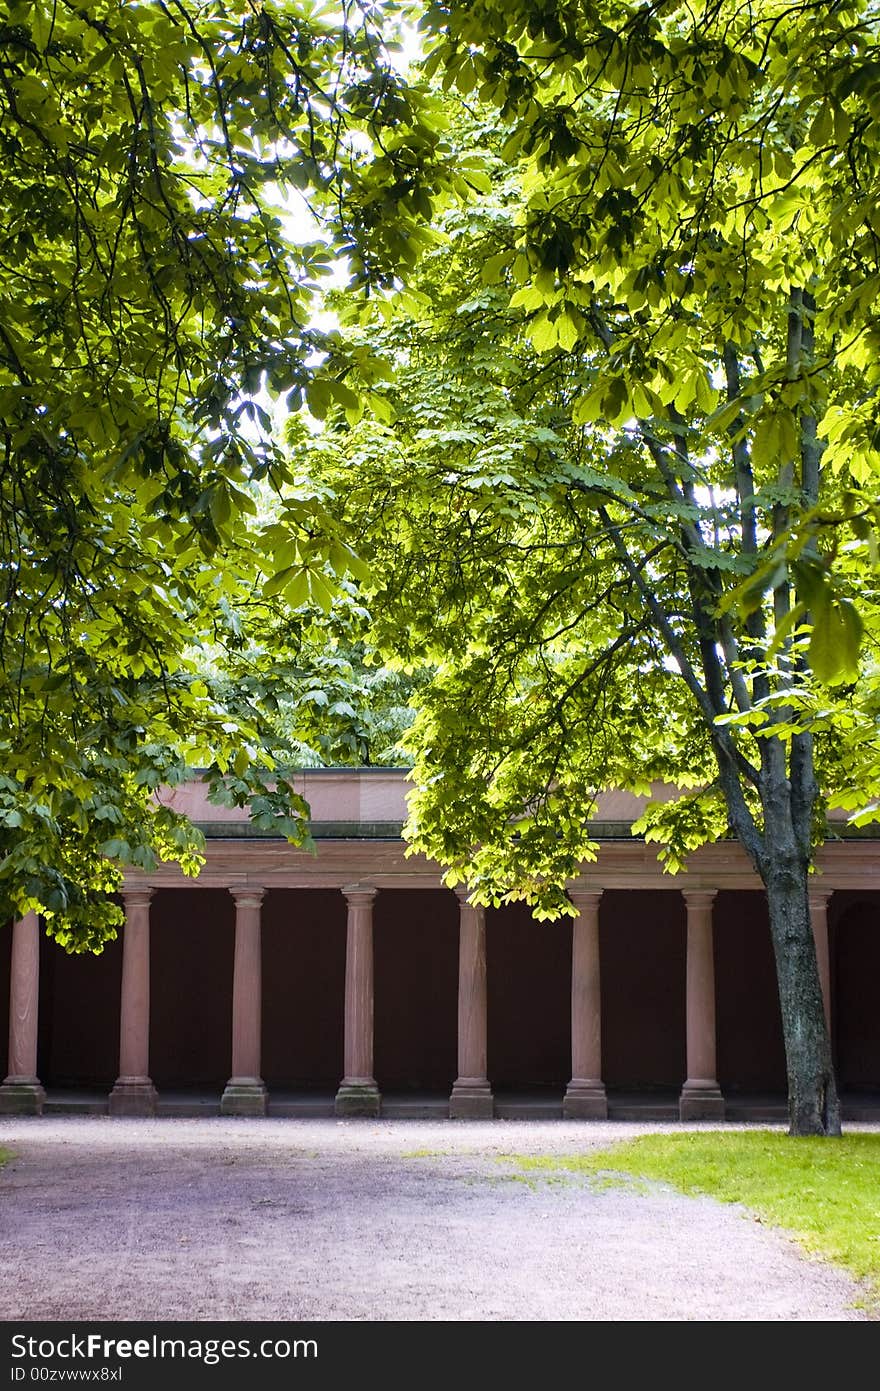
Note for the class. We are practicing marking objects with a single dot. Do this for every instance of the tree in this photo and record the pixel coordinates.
(153, 299)
(633, 413)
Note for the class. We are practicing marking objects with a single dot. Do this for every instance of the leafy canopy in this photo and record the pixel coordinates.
(155, 298)
(633, 437)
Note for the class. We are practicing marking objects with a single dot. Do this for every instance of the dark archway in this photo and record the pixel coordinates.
(528, 968)
(854, 939)
(303, 988)
(642, 946)
(415, 946)
(191, 954)
(78, 1020)
(751, 1052)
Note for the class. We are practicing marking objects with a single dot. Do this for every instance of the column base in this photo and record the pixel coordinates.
(244, 1096)
(471, 1100)
(358, 1097)
(585, 1100)
(22, 1096)
(133, 1096)
(701, 1100)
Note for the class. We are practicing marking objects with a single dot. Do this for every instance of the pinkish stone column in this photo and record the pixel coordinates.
(471, 1097)
(358, 1094)
(701, 1097)
(819, 919)
(21, 1092)
(134, 1093)
(245, 1093)
(585, 1095)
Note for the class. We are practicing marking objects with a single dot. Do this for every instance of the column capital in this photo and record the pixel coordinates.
(699, 898)
(462, 893)
(590, 898)
(246, 895)
(137, 898)
(359, 895)
(818, 897)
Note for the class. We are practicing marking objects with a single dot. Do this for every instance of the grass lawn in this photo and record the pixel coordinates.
(826, 1193)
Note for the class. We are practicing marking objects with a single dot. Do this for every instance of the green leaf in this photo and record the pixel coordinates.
(319, 394)
(544, 333)
(494, 268)
(766, 441)
(568, 333)
(296, 589)
(588, 407)
(320, 591)
(344, 394)
(281, 580)
(835, 642)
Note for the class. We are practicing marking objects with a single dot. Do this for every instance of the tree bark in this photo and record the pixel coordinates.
(813, 1105)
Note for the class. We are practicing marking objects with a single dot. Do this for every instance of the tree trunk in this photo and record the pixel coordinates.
(813, 1105)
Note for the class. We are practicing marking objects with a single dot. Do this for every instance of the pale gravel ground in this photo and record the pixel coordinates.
(372, 1220)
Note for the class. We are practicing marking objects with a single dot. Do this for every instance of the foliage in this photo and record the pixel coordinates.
(153, 301)
(825, 1195)
(707, 170)
(632, 457)
(330, 698)
(560, 588)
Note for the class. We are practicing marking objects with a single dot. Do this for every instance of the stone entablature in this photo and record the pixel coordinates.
(363, 810)
(845, 864)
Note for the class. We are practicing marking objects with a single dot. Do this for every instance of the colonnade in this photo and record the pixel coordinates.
(245, 1094)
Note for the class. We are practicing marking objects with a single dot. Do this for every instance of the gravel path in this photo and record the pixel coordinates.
(371, 1220)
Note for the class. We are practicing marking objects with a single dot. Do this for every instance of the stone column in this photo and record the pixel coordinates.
(21, 1092)
(358, 1094)
(819, 919)
(585, 1095)
(701, 1097)
(134, 1093)
(245, 1093)
(471, 1097)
